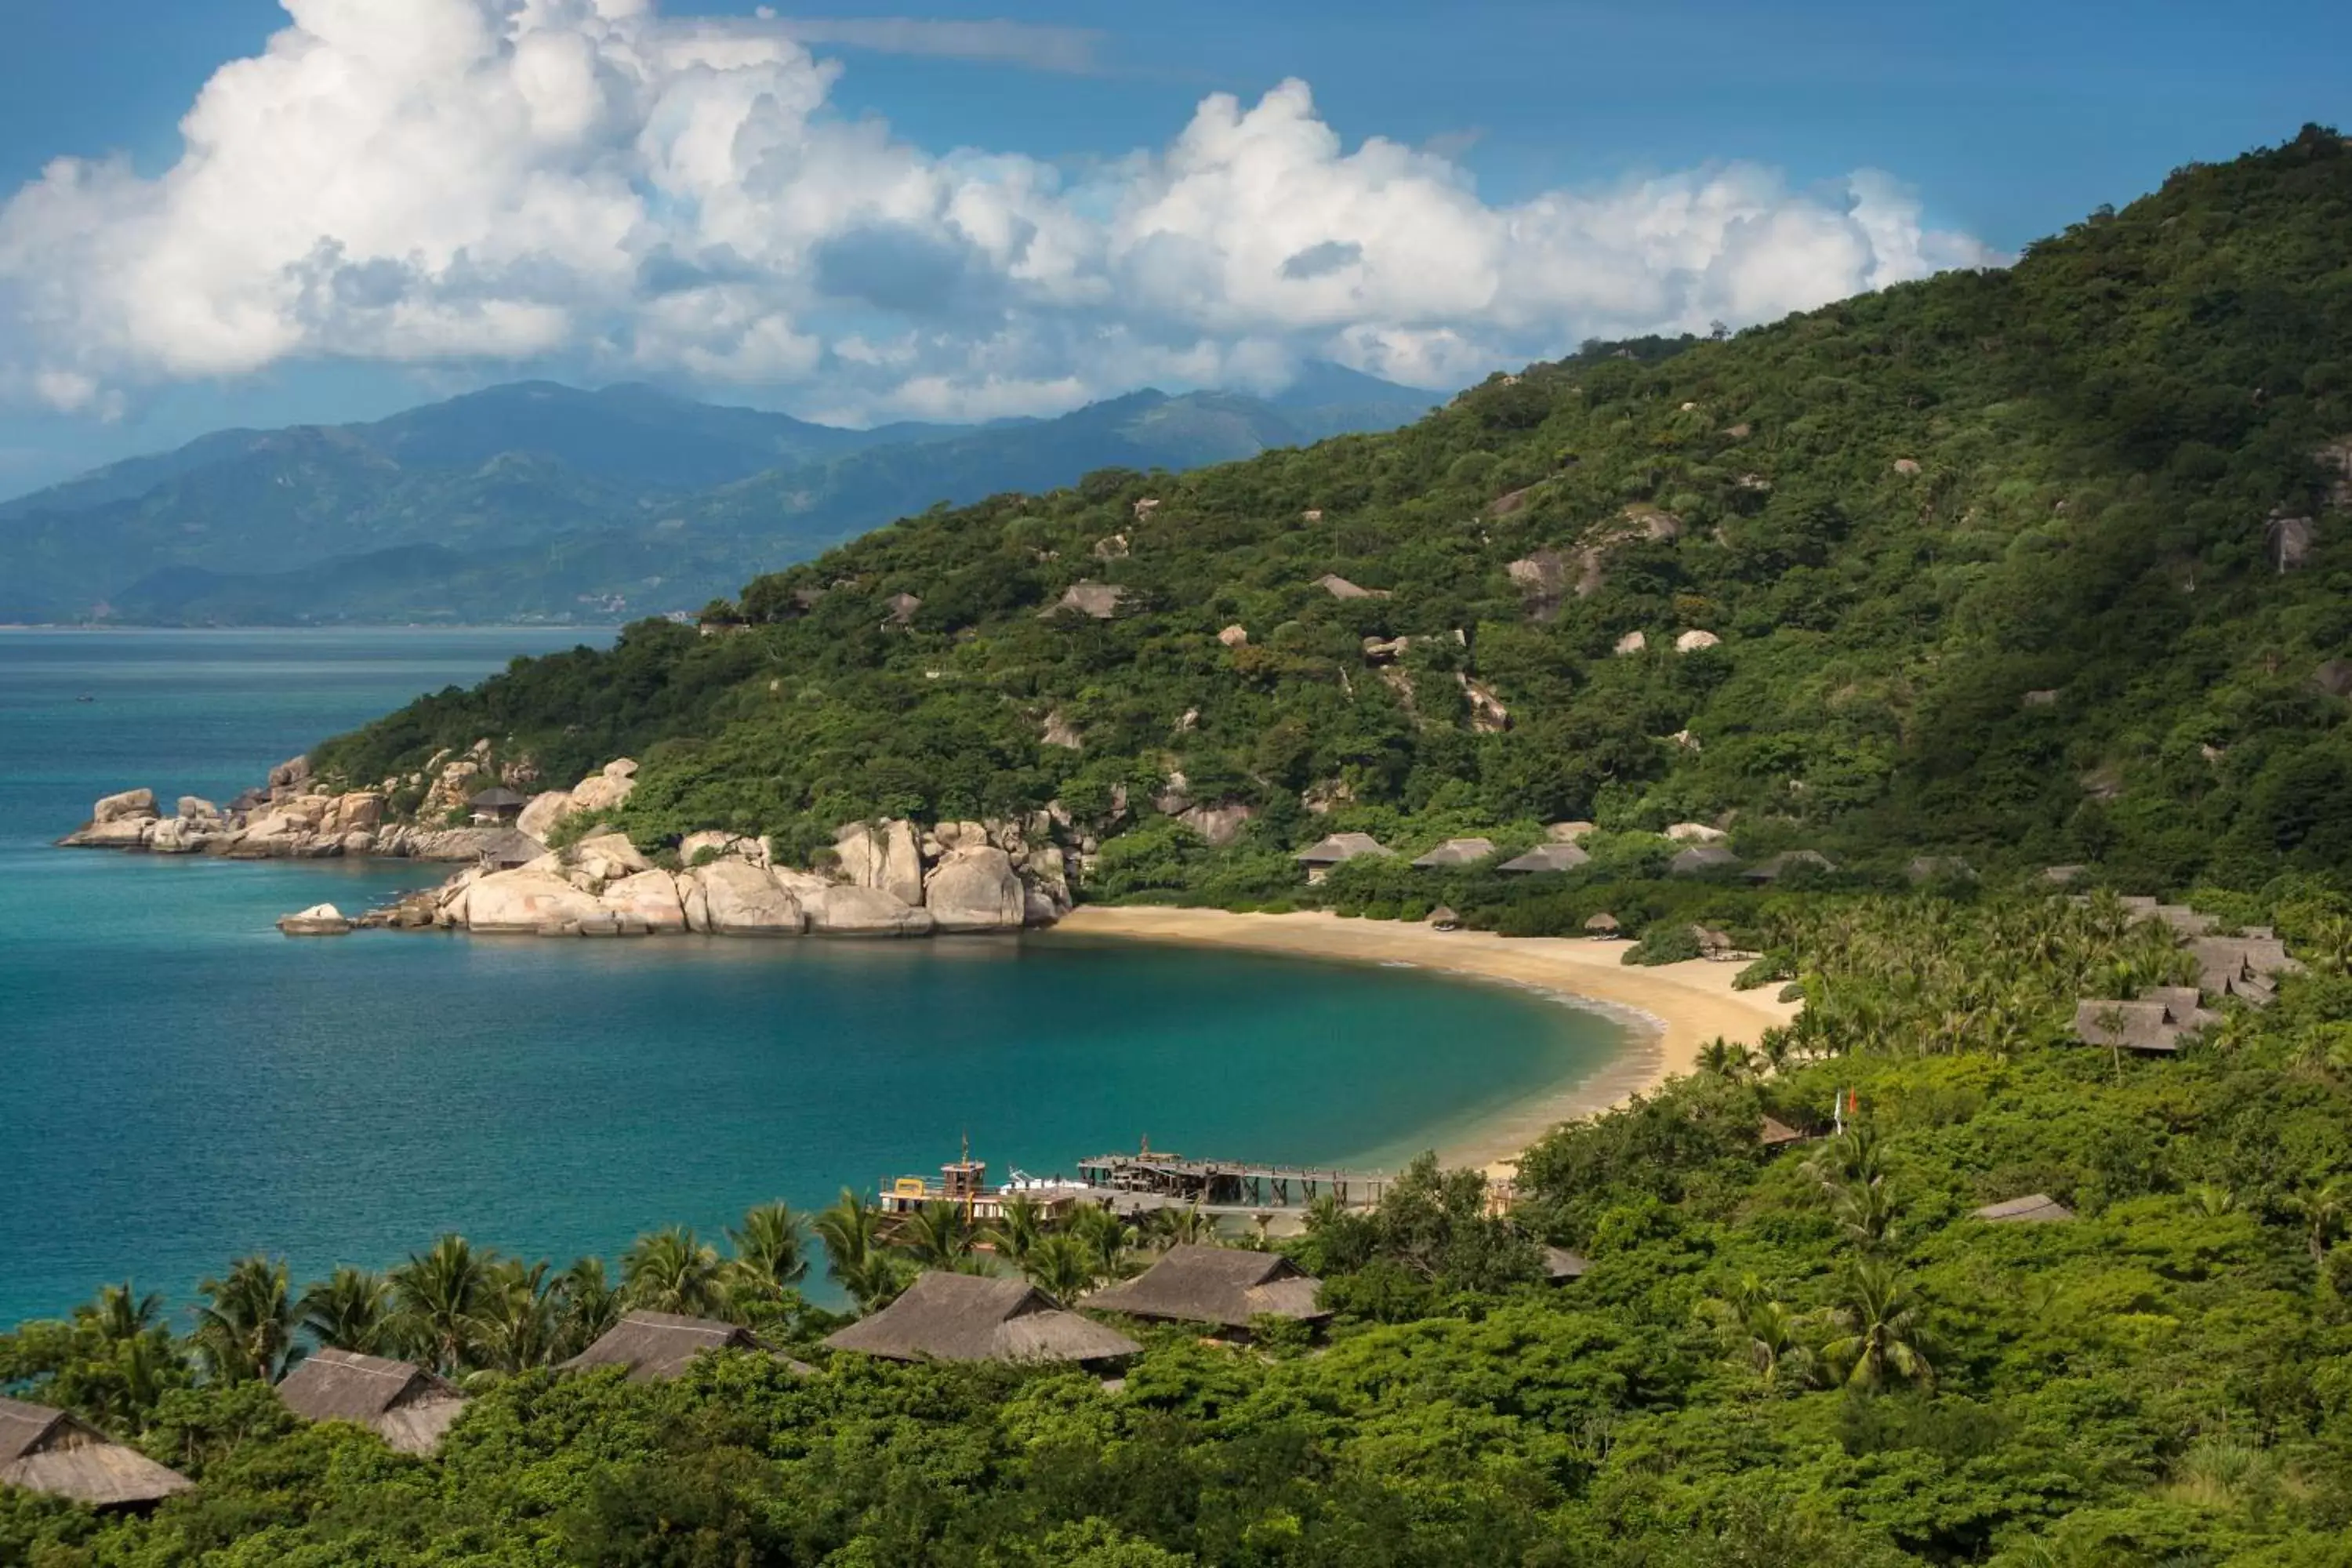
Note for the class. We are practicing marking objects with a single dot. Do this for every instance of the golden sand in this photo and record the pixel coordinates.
(1675, 1008)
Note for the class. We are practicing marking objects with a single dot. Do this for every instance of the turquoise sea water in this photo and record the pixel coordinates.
(180, 1085)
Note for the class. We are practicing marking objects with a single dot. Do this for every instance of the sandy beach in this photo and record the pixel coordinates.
(1675, 1009)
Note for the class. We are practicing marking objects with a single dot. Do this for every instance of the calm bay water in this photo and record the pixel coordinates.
(179, 1084)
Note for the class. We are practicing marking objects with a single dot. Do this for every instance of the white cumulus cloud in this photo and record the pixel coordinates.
(505, 181)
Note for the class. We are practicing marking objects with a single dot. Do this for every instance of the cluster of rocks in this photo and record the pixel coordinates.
(285, 819)
(890, 879)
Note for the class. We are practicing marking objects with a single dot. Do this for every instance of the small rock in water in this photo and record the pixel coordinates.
(321, 920)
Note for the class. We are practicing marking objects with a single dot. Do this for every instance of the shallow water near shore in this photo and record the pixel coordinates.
(179, 1084)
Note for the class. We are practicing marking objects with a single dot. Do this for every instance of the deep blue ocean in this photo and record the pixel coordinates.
(180, 1085)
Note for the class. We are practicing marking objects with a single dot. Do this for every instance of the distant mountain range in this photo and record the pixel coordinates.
(538, 501)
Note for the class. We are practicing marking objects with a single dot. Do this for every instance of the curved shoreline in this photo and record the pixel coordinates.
(1673, 1010)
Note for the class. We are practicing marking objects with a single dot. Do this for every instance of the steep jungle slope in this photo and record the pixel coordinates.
(2044, 563)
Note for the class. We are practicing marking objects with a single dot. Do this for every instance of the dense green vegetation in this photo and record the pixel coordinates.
(2043, 564)
(1799, 1357)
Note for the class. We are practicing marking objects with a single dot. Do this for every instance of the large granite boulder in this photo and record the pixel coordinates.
(526, 901)
(864, 912)
(883, 857)
(651, 897)
(321, 920)
(539, 818)
(602, 791)
(185, 835)
(609, 856)
(732, 897)
(197, 808)
(1045, 881)
(360, 811)
(976, 889)
(124, 833)
(131, 806)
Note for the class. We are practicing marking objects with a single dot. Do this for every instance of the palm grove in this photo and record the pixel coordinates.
(1998, 563)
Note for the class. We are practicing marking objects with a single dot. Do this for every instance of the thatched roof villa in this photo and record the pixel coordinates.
(1546, 858)
(2034, 1208)
(1603, 926)
(1780, 865)
(1700, 859)
(972, 1317)
(658, 1346)
(1713, 944)
(1224, 1286)
(1774, 1133)
(49, 1451)
(2246, 967)
(1320, 858)
(2144, 1026)
(498, 803)
(509, 849)
(406, 1405)
(1456, 852)
(1560, 1265)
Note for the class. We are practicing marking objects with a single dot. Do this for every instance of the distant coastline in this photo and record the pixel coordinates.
(1672, 1010)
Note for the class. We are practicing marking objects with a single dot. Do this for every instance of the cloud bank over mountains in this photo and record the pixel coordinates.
(513, 182)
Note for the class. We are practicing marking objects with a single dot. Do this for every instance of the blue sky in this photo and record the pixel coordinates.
(1016, 207)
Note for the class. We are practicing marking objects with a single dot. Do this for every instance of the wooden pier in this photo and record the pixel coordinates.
(1222, 1183)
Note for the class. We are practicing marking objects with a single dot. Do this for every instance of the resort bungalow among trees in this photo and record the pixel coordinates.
(406, 1405)
(45, 1450)
(1318, 858)
(2034, 1208)
(1546, 858)
(972, 1317)
(496, 804)
(658, 1346)
(1779, 865)
(1700, 859)
(1455, 852)
(1222, 1286)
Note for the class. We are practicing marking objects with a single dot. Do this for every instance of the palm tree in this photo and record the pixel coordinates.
(439, 1294)
(937, 1236)
(1866, 1214)
(120, 1314)
(2324, 1209)
(587, 1306)
(244, 1330)
(1879, 1330)
(2331, 944)
(770, 1254)
(1854, 1158)
(1061, 1266)
(1108, 1240)
(348, 1310)
(1020, 1227)
(672, 1271)
(2212, 1200)
(1190, 1226)
(1760, 1333)
(519, 1319)
(853, 1253)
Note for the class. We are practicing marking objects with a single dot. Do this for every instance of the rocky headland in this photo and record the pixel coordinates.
(884, 879)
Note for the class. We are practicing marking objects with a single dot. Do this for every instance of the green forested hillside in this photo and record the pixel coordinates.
(2041, 564)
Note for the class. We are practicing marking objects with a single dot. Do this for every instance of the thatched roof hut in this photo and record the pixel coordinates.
(1546, 858)
(511, 848)
(657, 1345)
(1222, 1286)
(408, 1406)
(902, 608)
(1712, 943)
(1456, 852)
(1779, 865)
(2246, 967)
(1699, 859)
(49, 1451)
(1560, 1265)
(972, 1317)
(2144, 1025)
(1098, 600)
(2034, 1208)
(1938, 869)
(1341, 847)
(1774, 1133)
(1603, 925)
(1444, 918)
(499, 803)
